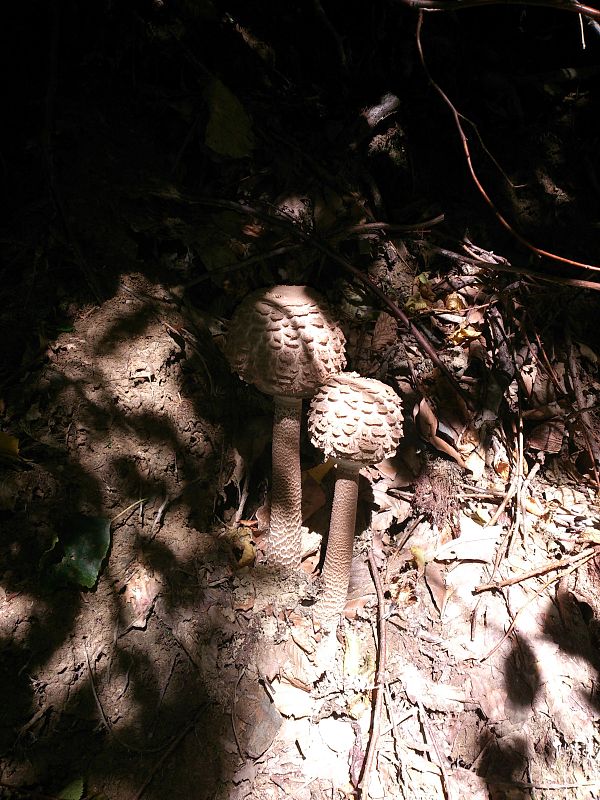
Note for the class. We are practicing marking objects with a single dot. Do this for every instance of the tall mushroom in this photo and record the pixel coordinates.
(356, 422)
(285, 341)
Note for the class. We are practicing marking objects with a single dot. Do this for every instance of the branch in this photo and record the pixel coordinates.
(458, 5)
(463, 137)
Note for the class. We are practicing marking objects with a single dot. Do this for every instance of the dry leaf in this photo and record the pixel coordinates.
(337, 734)
(140, 594)
(434, 578)
(399, 509)
(475, 543)
(290, 700)
(385, 332)
(535, 507)
(427, 425)
(463, 334)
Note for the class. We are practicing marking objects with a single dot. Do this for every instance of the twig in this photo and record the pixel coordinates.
(457, 5)
(366, 227)
(537, 571)
(129, 508)
(431, 741)
(237, 265)
(512, 490)
(548, 787)
(506, 266)
(158, 518)
(463, 137)
(378, 689)
(535, 595)
(180, 736)
(233, 706)
(339, 45)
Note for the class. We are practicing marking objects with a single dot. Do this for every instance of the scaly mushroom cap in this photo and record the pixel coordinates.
(355, 419)
(285, 341)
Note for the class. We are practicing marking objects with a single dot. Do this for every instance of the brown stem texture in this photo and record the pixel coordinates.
(336, 570)
(285, 532)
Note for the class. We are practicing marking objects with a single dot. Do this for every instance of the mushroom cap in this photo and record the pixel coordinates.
(285, 341)
(355, 419)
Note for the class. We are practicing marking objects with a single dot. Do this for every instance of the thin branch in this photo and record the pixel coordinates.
(463, 137)
(589, 555)
(552, 566)
(506, 266)
(378, 689)
(459, 5)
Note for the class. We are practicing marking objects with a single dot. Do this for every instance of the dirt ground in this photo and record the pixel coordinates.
(147, 650)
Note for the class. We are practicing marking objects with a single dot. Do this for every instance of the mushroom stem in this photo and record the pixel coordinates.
(285, 530)
(338, 560)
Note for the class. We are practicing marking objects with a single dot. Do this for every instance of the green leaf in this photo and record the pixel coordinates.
(74, 790)
(229, 129)
(85, 544)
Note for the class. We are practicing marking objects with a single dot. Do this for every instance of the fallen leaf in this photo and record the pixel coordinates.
(475, 543)
(229, 130)
(464, 333)
(9, 445)
(385, 332)
(434, 578)
(290, 700)
(427, 425)
(140, 593)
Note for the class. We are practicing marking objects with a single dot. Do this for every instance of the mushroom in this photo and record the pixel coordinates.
(284, 340)
(356, 422)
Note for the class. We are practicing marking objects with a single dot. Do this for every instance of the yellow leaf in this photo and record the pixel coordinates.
(242, 549)
(229, 129)
(416, 303)
(454, 302)
(318, 473)
(9, 445)
(464, 333)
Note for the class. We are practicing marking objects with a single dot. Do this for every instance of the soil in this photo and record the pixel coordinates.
(142, 204)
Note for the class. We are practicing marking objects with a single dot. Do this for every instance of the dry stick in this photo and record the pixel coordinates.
(425, 346)
(457, 5)
(233, 716)
(506, 266)
(551, 566)
(367, 227)
(536, 594)
(245, 262)
(543, 786)
(463, 137)
(363, 785)
(512, 490)
(431, 742)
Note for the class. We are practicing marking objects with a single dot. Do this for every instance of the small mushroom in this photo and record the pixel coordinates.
(285, 341)
(356, 422)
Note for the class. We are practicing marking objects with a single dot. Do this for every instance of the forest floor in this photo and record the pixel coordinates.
(146, 648)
